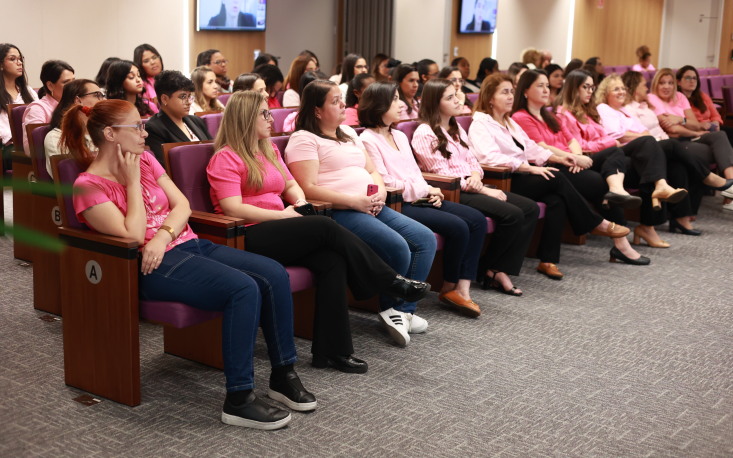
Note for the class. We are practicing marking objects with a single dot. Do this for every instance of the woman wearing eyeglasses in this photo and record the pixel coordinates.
(173, 124)
(352, 65)
(14, 89)
(148, 60)
(215, 60)
(124, 192)
(249, 180)
(78, 92)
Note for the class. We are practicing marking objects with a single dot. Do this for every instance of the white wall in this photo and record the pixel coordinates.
(295, 25)
(541, 24)
(687, 39)
(421, 30)
(85, 32)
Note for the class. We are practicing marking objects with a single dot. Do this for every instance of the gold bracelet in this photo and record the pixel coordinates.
(169, 230)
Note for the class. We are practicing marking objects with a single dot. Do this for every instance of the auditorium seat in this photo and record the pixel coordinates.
(22, 170)
(224, 98)
(278, 118)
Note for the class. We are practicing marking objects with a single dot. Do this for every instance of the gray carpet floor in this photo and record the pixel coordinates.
(614, 360)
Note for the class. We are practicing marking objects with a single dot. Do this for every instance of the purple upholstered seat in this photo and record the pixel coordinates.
(224, 98)
(472, 96)
(408, 128)
(464, 121)
(716, 86)
(278, 118)
(16, 125)
(39, 153)
(188, 170)
(281, 142)
(728, 99)
(543, 209)
(213, 121)
(705, 84)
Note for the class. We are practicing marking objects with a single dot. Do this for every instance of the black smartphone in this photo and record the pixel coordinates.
(306, 210)
(422, 202)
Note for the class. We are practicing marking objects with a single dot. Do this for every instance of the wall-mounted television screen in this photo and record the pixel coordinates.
(477, 16)
(237, 15)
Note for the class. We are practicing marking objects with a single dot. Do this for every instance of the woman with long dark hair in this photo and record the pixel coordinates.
(124, 82)
(148, 60)
(407, 79)
(14, 89)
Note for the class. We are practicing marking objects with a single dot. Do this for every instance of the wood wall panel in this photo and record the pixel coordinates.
(616, 30)
(237, 47)
(726, 39)
(472, 47)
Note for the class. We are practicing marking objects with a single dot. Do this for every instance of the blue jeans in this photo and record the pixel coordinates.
(403, 243)
(250, 289)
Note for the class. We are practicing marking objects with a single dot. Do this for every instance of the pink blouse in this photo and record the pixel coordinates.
(38, 112)
(352, 116)
(415, 110)
(91, 190)
(616, 123)
(150, 94)
(647, 117)
(539, 131)
(494, 144)
(461, 162)
(591, 135)
(397, 166)
(227, 176)
(341, 166)
(676, 106)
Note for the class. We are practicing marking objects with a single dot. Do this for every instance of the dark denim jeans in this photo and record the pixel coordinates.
(249, 289)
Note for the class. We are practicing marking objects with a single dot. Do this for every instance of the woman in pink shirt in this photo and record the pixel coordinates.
(499, 141)
(678, 120)
(355, 89)
(645, 60)
(330, 164)
(148, 60)
(407, 79)
(453, 74)
(14, 89)
(249, 180)
(462, 227)
(54, 76)
(124, 192)
(684, 168)
(442, 146)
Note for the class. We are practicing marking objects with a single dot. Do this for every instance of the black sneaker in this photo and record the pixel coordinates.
(406, 289)
(290, 391)
(254, 413)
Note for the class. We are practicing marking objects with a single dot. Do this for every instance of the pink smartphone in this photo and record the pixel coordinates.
(372, 189)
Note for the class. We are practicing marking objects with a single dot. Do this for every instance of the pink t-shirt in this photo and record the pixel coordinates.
(617, 122)
(150, 94)
(289, 122)
(38, 112)
(676, 106)
(645, 115)
(639, 68)
(341, 166)
(227, 173)
(352, 116)
(91, 190)
(415, 110)
(397, 166)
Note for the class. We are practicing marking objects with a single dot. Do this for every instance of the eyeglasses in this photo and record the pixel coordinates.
(186, 98)
(99, 95)
(221, 62)
(618, 89)
(140, 127)
(689, 78)
(457, 80)
(588, 87)
(15, 59)
(151, 59)
(266, 114)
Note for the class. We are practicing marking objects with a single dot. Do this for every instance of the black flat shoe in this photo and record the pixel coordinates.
(674, 226)
(288, 389)
(621, 200)
(618, 256)
(490, 282)
(254, 413)
(407, 290)
(348, 364)
(728, 184)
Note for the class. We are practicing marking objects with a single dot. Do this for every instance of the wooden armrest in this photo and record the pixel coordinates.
(217, 228)
(501, 177)
(120, 247)
(394, 196)
(322, 208)
(20, 157)
(442, 181)
(199, 217)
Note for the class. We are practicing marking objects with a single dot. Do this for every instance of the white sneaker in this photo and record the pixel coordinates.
(397, 325)
(415, 324)
(727, 193)
(728, 207)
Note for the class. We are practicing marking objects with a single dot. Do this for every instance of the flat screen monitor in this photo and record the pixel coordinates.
(234, 15)
(477, 16)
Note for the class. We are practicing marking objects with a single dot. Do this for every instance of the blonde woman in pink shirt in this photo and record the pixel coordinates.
(462, 227)
(442, 146)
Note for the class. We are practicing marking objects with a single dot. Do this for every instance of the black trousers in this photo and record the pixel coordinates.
(514, 223)
(689, 157)
(563, 201)
(337, 258)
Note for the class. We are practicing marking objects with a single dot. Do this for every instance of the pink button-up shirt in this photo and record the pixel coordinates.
(461, 162)
(591, 135)
(616, 123)
(397, 166)
(493, 144)
(539, 131)
(645, 115)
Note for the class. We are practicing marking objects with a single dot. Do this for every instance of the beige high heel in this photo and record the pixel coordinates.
(638, 235)
(670, 195)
